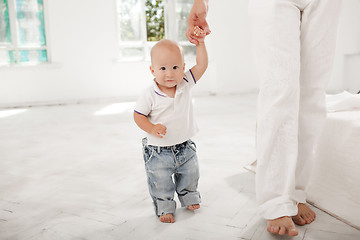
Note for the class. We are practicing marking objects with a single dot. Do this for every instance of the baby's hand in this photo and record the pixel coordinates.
(158, 130)
(199, 33)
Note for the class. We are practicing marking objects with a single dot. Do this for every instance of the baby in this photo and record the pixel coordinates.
(165, 112)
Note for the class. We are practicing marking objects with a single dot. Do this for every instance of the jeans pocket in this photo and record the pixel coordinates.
(192, 145)
(148, 153)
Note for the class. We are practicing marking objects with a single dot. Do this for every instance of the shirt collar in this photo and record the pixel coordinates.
(157, 89)
(179, 88)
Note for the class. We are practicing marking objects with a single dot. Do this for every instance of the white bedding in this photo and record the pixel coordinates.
(335, 182)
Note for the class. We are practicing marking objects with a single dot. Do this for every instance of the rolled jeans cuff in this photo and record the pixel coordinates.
(190, 198)
(165, 207)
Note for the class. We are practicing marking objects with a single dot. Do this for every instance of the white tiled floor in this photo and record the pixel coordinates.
(76, 172)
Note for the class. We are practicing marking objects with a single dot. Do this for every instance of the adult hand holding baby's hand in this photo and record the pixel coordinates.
(197, 17)
(158, 130)
(200, 34)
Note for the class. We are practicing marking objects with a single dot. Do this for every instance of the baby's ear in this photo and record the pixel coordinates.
(151, 70)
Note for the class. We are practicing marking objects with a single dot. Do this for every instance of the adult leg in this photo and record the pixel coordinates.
(276, 45)
(318, 38)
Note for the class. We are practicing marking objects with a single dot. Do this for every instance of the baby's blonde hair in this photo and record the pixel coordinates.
(169, 44)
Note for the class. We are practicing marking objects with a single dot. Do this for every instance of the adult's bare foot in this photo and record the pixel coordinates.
(282, 226)
(167, 218)
(194, 207)
(305, 215)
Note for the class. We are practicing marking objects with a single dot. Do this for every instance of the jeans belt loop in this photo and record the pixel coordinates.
(158, 149)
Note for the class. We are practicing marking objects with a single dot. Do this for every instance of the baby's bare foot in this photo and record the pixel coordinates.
(194, 207)
(305, 215)
(167, 218)
(282, 226)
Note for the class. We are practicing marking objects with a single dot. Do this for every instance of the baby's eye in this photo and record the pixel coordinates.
(175, 67)
(162, 68)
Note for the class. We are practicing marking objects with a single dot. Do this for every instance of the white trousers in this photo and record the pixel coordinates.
(293, 45)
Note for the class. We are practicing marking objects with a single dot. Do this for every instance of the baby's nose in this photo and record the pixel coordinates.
(169, 73)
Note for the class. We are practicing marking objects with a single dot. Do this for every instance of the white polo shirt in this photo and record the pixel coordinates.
(174, 113)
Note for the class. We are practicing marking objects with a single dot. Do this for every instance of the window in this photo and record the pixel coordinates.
(142, 23)
(22, 32)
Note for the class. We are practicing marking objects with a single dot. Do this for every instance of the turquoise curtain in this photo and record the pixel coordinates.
(29, 31)
(5, 36)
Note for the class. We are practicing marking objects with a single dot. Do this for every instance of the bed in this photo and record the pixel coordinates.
(335, 183)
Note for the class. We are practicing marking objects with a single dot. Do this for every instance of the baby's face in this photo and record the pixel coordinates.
(167, 67)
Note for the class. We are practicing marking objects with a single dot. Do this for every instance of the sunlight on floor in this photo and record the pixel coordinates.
(116, 108)
(8, 113)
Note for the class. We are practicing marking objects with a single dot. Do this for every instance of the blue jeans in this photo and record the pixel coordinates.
(161, 164)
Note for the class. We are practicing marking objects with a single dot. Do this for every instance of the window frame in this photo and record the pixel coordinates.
(171, 32)
(14, 45)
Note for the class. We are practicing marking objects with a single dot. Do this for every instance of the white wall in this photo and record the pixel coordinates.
(83, 45)
(230, 46)
(346, 75)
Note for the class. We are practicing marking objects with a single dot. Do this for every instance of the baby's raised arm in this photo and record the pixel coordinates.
(201, 54)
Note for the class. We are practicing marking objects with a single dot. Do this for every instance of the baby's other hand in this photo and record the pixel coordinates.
(199, 34)
(158, 130)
